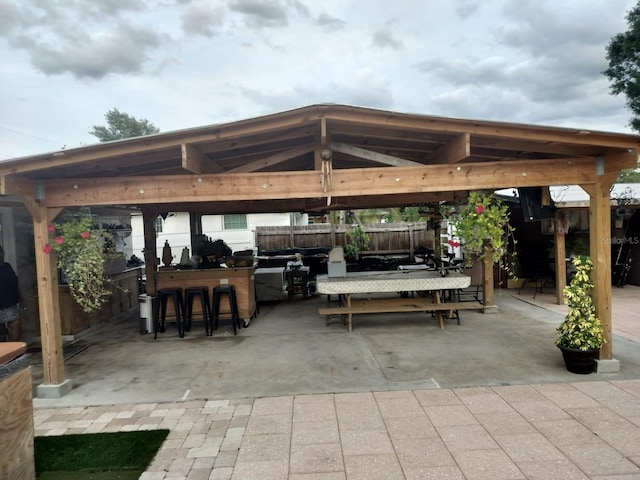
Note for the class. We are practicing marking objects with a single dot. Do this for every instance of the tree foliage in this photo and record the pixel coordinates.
(122, 125)
(630, 175)
(623, 55)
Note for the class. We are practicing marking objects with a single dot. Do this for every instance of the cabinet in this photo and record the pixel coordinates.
(124, 297)
(269, 284)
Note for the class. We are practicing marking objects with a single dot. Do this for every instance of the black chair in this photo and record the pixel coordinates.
(178, 308)
(218, 293)
(475, 291)
(535, 268)
(190, 295)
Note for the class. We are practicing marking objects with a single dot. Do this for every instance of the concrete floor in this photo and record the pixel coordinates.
(289, 350)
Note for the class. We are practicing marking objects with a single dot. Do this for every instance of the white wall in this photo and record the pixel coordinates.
(175, 230)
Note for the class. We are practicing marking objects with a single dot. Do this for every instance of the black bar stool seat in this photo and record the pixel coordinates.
(230, 292)
(178, 310)
(189, 296)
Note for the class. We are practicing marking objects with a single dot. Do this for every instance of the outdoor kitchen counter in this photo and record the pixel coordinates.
(242, 278)
(16, 412)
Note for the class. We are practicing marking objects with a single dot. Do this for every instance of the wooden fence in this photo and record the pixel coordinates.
(386, 238)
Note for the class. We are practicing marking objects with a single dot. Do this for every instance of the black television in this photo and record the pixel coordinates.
(531, 203)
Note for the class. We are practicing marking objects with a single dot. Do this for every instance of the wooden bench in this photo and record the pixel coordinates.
(398, 305)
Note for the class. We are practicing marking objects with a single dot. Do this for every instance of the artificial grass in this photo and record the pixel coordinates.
(97, 456)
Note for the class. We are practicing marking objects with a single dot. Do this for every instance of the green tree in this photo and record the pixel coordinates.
(623, 55)
(122, 125)
(629, 176)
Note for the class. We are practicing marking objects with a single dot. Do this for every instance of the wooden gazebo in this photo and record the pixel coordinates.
(316, 158)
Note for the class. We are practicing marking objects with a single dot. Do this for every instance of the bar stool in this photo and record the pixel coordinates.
(189, 295)
(178, 308)
(230, 292)
(4, 332)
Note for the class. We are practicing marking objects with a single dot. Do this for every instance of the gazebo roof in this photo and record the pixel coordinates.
(319, 157)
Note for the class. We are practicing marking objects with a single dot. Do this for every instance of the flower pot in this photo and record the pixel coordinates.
(579, 361)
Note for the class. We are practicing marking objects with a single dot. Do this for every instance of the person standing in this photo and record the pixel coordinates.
(9, 299)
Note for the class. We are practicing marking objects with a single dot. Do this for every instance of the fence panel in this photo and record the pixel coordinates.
(384, 238)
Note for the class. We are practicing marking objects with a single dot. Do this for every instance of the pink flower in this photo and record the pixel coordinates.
(51, 228)
(85, 235)
(479, 209)
(47, 249)
(59, 240)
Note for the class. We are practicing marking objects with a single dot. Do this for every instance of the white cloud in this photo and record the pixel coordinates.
(182, 63)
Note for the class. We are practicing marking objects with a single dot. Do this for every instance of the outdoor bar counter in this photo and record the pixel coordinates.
(242, 278)
(16, 413)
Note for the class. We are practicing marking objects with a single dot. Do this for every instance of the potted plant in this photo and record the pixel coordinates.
(482, 225)
(580, 336)
(81, 256)
(211, 253)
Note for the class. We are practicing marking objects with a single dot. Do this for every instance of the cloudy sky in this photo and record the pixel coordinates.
(184, 63)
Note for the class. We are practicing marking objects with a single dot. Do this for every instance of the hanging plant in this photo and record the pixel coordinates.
(484, 222)
(80, 252)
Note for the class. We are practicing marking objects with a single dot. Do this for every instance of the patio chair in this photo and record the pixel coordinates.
(535, 268)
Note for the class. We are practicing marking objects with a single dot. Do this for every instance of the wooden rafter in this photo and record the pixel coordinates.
(455, 151)
(273, 159)
(371, 155)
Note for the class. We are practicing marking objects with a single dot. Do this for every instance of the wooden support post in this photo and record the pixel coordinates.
(48, 300)
(195, 227)
(561, 266)
(412, 243)
(600, 253)
(487, 276)
(150, 249)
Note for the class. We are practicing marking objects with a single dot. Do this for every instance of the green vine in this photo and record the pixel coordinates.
(80, 252)
(358, 241)
(484, 222)
(581, 328)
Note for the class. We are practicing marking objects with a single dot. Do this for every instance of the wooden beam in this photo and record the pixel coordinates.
(371, 155)
(170, 140)
(19, 186)
(322, 152)
(193, 160)
(308, 184)
(393, 120)
(272, 160)
(614, 163)
(455, 151)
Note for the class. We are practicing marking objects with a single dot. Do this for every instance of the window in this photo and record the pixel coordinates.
(236, 221)
(158, 224)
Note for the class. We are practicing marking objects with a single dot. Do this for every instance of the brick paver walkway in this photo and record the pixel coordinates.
(584, 430)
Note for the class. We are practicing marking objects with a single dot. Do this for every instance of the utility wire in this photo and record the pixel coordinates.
(29, 135)
(7, 156)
